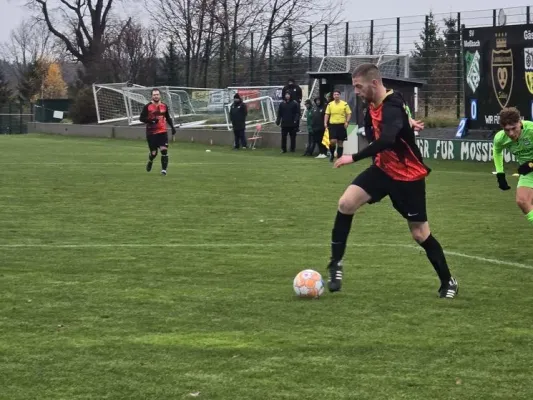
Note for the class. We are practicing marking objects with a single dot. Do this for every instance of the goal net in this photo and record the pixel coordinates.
(137, 97)
(110, 102)
(390, 66)
(193, 107)
(261, 110)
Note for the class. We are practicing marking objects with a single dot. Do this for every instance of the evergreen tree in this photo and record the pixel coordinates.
(31, 83)
(427, 51)
(5, 91)
(170, 64)
(451, 37)
(290, 61)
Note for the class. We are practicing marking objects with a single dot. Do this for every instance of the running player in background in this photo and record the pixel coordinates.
(398, 172)
(517, 137)
(155, 115)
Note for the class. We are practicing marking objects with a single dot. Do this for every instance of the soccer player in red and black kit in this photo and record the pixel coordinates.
(155, 115)
(397, 171)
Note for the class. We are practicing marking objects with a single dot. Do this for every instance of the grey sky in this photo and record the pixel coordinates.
(13, 11)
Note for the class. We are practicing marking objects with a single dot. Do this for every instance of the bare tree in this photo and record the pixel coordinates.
(133, 57)
(205, 29)
(28, 43)
(359, 43)
(82, 26)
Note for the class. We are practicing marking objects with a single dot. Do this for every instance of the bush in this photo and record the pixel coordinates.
(83, 110)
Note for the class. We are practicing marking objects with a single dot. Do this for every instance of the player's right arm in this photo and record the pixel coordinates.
(326, 116)
(369, 130)
(391, 125)
(144, 115)
(497, 155)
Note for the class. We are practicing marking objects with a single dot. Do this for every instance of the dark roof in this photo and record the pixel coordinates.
(339, 77)
(346, 78)
(412, 82)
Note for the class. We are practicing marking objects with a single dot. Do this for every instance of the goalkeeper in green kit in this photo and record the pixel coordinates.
(517, 137)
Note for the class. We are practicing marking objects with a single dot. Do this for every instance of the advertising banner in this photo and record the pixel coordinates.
(498, 72)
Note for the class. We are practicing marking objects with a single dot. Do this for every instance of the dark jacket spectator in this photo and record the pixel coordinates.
(237, 113)
(288, 114)
(293, 89)
(317, 118)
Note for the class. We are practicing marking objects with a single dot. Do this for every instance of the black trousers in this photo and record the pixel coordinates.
(288, 132)
(318, 135)
(240, 138)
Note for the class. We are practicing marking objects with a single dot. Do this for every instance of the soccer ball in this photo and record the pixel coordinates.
(308, 283)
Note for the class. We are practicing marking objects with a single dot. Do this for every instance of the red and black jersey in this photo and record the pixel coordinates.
(392, 138)
(156, 116)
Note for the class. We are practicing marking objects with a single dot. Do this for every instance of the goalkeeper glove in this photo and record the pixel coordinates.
(502, 182)
(525, 168)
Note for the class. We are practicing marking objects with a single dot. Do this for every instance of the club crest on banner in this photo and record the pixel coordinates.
(473, 75)
(502, 70)
(528, 68)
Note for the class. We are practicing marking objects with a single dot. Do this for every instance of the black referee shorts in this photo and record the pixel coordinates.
(157, 140)
(337, 132)
(408, 197)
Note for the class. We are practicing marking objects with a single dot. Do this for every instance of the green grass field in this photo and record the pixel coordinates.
(122, 284)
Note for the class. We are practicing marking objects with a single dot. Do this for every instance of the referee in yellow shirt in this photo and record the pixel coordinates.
(336, 120)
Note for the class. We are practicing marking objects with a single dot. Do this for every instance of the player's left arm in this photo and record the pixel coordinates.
(497, 155)
(391, 125)
(170, 122)
(417, 125)
(348, 112)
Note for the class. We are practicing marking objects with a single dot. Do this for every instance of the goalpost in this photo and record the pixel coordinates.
(261, 110)
(196, 107)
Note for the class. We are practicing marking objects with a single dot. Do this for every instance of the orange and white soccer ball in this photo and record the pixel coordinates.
(308, 283)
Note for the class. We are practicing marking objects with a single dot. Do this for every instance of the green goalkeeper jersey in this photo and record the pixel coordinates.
(522, 149)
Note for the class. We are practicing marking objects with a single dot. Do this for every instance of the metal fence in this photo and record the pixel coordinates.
(433, 41)
(14, 118)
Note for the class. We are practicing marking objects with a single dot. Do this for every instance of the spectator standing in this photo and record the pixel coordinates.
(317, 123)
(295, 92)
(237, 115)
(308, 113)
(288, 114)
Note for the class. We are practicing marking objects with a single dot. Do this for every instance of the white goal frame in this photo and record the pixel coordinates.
(268, 110)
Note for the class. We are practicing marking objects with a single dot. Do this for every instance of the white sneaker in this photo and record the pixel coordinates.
(321, 156)
(163, 172)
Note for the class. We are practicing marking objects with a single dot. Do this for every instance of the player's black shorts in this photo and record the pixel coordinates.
(408, 197)
(338, 132)
(157, 140)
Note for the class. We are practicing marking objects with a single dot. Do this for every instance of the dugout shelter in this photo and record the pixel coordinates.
(329, 81)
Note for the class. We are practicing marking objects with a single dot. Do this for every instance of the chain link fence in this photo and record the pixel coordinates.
(14, 118)
(432, 41)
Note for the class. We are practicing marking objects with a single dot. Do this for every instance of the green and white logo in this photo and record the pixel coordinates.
(472, 70)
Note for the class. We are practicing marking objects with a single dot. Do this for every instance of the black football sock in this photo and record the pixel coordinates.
(151, 156)
(164, 159)
(340, 151)
(436, 256)
(339, 235)
(332, 150)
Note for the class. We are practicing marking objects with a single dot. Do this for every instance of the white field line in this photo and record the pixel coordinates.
(241, 245)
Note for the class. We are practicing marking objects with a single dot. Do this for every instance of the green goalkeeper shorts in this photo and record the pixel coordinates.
(526, 180)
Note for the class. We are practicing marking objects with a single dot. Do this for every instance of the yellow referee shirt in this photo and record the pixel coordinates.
(338, 112)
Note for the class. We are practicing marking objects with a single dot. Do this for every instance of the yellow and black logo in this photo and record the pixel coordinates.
(502, 70)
